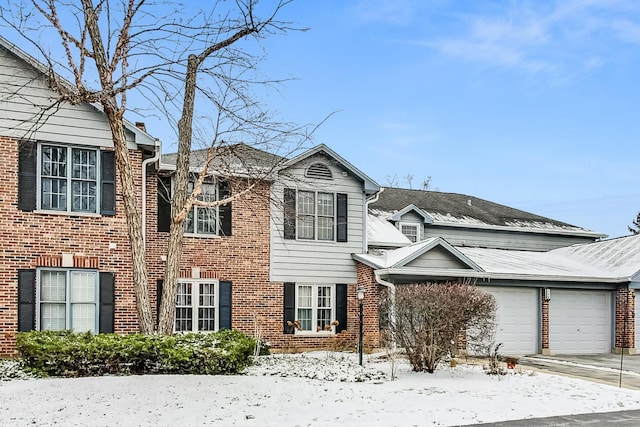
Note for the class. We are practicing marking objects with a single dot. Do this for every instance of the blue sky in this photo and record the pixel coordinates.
(531, 104)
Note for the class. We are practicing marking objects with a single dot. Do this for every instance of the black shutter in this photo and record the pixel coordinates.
(289, 307)
(341, 228)
(224, 302)
(341, 307)
(164, 203)
(224, 191)
(107, 303)
(26, 300)
(27, 158)
(107, 183)
(289, 213)
(158, 299)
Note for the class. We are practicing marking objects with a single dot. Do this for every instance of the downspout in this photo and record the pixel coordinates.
(365, 240)
(392, 308)
(145, 163)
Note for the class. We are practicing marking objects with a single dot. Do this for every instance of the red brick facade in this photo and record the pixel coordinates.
(39, 239)
(624, 318)
(36, 239)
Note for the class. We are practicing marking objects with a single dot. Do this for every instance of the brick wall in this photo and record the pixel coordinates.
(545, 323)
(31, 240)
(624, 318)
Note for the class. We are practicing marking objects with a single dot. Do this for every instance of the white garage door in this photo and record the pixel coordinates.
(579, 322)
(517, 319)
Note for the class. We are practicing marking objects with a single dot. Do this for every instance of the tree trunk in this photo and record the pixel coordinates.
(176, 231)
(134, 221)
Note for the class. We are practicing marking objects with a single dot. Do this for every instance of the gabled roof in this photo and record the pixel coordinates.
(460, 210)
(370, 186)
(397, 216)
(233, 159)
(618, 257)
(398, 258)
(615, 261)
(141, 137)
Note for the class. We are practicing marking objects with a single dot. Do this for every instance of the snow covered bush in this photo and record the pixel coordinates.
(425, 318)
(49, 353)
(11, 370)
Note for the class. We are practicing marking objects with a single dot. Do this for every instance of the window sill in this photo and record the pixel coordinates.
(315, 334)
(67, 213)
(203, 236)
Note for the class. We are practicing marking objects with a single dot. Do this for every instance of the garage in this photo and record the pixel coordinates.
(580, 322)
(517, 319)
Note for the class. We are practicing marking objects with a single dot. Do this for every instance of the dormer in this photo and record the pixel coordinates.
(410, 221)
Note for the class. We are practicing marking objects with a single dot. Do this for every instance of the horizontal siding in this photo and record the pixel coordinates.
(502, 239)
(24, 99)
(437, 258)
(316, 261)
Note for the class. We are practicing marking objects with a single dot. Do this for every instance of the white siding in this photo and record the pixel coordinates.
(316, 261)
(502, 239)
(24, 99)
(437, 258)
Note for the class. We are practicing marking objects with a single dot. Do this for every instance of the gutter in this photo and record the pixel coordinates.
(392, 309)
(408, 271)
(145, 163)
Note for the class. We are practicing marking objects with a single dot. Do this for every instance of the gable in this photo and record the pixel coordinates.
(29, 108)
(438, 257)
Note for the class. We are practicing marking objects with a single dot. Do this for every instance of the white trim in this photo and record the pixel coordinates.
(69, 179)
(68, 303)
(314, 308)
(417, 227)
(195, 293)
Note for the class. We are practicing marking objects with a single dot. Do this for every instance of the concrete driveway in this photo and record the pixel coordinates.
(603, 368)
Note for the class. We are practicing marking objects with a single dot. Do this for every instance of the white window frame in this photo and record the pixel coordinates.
(195, 305)
(314, 308)
(316, 216)
(69, 179)
(195, 209)
(411, 224)
(69, 272)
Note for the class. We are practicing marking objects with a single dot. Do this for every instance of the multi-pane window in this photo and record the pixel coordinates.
(68, 179)
(316, 215)
(315, 307)
(411, 231)
(201, 219)
(68, 300)
(196, 306)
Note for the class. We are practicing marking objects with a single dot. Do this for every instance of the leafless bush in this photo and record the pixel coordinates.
(426, 317)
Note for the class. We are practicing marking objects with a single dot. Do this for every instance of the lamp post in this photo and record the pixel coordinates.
(361, 313)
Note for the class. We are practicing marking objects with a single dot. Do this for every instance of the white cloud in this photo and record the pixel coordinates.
(536, 38)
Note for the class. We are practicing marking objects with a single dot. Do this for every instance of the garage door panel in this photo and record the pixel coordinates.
(516, 319)
(580, 322)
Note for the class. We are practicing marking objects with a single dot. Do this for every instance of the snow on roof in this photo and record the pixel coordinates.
(619, 256)
(512, 262)
(381, 232)
(460, 210)
(615, 260)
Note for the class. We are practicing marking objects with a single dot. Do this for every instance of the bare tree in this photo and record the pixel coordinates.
(178, 62)
(635, 227)
(428, 317)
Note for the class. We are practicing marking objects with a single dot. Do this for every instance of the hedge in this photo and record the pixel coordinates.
(65, 354)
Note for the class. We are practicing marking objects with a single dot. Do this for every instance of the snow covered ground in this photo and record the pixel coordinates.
(311, 389)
